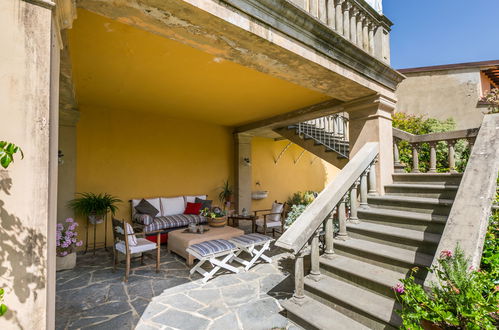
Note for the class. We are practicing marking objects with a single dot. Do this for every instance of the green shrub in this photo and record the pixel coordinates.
(294, 213)
(301, 198)
(463, 298)
(419, 125)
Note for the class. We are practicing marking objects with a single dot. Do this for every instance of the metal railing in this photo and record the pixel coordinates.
(330, 131)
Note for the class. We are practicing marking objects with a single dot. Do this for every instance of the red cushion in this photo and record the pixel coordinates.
(153, 238)
(193, 208)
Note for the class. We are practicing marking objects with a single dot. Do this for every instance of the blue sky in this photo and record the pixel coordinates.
(434, 32)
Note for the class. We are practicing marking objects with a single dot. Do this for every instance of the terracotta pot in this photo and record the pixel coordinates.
(427, 325)
(66, 262)
(217, 222)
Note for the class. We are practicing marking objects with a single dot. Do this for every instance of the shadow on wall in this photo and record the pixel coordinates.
(23, 264)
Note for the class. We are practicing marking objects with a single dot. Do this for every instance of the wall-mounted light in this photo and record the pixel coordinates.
(247, 161)
(60, 157)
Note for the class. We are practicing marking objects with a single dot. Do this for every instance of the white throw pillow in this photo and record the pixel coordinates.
(153, 201)
(132, 239)
(276, 208)
(192, 199)
(172, 206)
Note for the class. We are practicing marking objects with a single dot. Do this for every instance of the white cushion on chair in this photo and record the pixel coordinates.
(270, 224)
(142, 246)
(172, 206)
(276, 208)
(192, 199)
(132, 239)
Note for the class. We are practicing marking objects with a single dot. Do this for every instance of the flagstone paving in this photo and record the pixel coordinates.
(92, 296)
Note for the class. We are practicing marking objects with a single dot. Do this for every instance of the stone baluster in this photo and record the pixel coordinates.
(433, 157)
(329, 235)
(338, 11)
(331, 14)
(299, 295)
(372, 180)
(346, 20)
(363, 189)
(353, 25)
(342, 219)
(365, 34)
(353, 203)
(315, 272)
(314, 8)
(360, 36)
(399, 167)
(322, 11)
(371, 27)
(415, 158)
(452, 156)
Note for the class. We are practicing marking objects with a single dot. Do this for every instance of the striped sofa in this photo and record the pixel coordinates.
(171, 214)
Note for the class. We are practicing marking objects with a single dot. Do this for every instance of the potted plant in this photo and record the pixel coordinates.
(94, 206)
(225, 195)
(66, 243)
(216, 216)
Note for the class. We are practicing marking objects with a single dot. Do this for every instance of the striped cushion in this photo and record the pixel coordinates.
(144, 219)
(174, 221)
(211, 247)
(251, 239)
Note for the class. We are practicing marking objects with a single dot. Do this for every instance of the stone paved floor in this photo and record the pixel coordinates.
(91, 296)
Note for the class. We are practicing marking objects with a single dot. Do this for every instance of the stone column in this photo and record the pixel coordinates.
(346, 20)
(371, 121)
(29, 82)
(339, 16)
(243, 171)
(353, 25)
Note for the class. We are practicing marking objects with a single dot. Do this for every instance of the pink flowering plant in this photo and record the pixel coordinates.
(66, 237)
(462, 298)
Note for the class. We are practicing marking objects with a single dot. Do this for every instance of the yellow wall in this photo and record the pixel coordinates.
(139, 154)
(285, 177)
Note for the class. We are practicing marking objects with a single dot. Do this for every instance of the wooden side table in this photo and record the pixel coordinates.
(236, 217)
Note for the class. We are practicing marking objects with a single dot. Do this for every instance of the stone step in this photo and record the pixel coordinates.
(314, 315)
(428, 178)
(413, 204)
(405, 219)
(414, 240)
(383, 255)
(362, 274)
(371, 309)
(437, 190)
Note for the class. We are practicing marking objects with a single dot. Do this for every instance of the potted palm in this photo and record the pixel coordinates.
(94, 206)
(225, 195)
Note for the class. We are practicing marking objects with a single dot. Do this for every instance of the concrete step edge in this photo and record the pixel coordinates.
(402, 233)
(417, 216)
(411, 199)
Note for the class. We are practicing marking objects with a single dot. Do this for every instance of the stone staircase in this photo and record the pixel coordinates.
(324, 137)
(396, 232)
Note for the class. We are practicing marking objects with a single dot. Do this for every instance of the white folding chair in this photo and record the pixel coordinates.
(250, 243)
(211, 251)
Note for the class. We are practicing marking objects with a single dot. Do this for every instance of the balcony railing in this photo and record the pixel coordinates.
(356, 21)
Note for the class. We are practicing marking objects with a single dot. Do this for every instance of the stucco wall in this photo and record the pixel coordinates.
(141, 154)
(286, 177)
(443, 94)
(25, 79)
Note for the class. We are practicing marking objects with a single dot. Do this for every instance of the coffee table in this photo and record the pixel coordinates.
(234, 219)
(179, 240)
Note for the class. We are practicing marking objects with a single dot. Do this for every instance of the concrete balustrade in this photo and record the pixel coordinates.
(354, 20)
(432, 140)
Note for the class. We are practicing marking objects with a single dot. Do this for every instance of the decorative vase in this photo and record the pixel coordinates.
(95, 219)
(66, 262)
(217, 222)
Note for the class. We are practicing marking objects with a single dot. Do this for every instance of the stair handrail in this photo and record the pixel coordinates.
(304, 227)
(432, 139)
(469, 216)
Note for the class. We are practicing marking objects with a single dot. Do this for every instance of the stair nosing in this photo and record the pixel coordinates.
(435, 186)
(398, 232)
(426, 217)
(412, 199)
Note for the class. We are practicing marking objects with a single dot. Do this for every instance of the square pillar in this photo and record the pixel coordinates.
(243, 171)
(370, 120)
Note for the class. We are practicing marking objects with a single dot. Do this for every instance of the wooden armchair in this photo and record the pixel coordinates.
(274, 218)
(126, 241)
